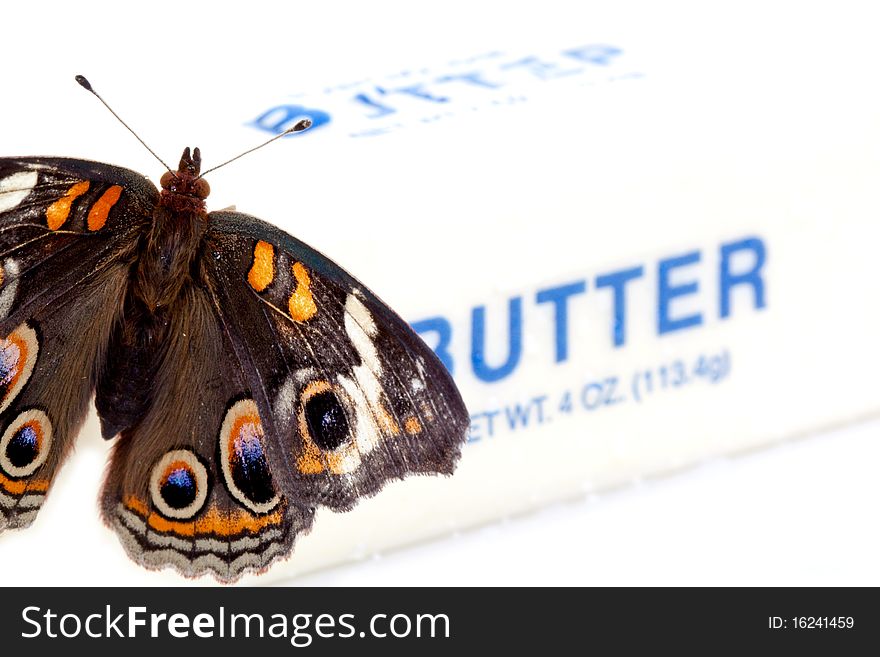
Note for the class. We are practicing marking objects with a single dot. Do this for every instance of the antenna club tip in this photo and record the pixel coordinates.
(302, 124)
(85, 84)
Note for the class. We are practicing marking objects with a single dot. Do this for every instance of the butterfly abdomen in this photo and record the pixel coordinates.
(123, 392)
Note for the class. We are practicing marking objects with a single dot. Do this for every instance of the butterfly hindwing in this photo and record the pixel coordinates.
(354, 398)
(49, 365)
(190, 486)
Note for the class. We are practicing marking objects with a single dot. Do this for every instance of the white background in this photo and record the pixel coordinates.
(800, 513)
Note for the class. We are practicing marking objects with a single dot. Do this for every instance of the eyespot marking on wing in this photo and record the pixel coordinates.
(243, 458)
(59, 211)
(179, 484)
(25, 444)
(323, 421)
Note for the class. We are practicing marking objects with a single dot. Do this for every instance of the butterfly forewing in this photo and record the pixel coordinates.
(60, 222)
(354, 396)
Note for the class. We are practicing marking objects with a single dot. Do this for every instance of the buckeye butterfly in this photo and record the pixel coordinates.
(245, 378)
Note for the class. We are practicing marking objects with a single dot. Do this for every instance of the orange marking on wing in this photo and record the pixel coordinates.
(231, 524)
(19, 486)
(101, 209)
(263, 270)
(159, 523)
(314, 461)
(217, 523)
(301, 305)
(412, 425)
(309, 462)
(57, 213)
(339, 462)
(241, 420)
(137, 505)
(387, 422)
(314, 388)
(16, 487)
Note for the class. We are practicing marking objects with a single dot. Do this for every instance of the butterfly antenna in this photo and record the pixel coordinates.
(302, 124)
(85, 84)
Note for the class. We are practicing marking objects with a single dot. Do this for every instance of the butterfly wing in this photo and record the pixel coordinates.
(49, 365)
(60, 221)
(189, 486)
(67, 230)
(352, 398)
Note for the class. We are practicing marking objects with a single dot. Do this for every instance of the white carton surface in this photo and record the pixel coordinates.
(638, 243)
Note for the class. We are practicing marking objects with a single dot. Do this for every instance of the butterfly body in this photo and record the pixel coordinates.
(164, 263)
(245, 378)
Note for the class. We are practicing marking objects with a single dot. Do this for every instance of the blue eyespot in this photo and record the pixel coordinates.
(243, 459)
(249, 468)
(179, 484)
(26, 443)
(179, 488)
(24, 447)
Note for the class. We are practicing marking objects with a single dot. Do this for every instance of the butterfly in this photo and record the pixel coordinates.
(245, 378)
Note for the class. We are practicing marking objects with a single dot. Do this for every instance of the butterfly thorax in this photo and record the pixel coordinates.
(171, 245)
